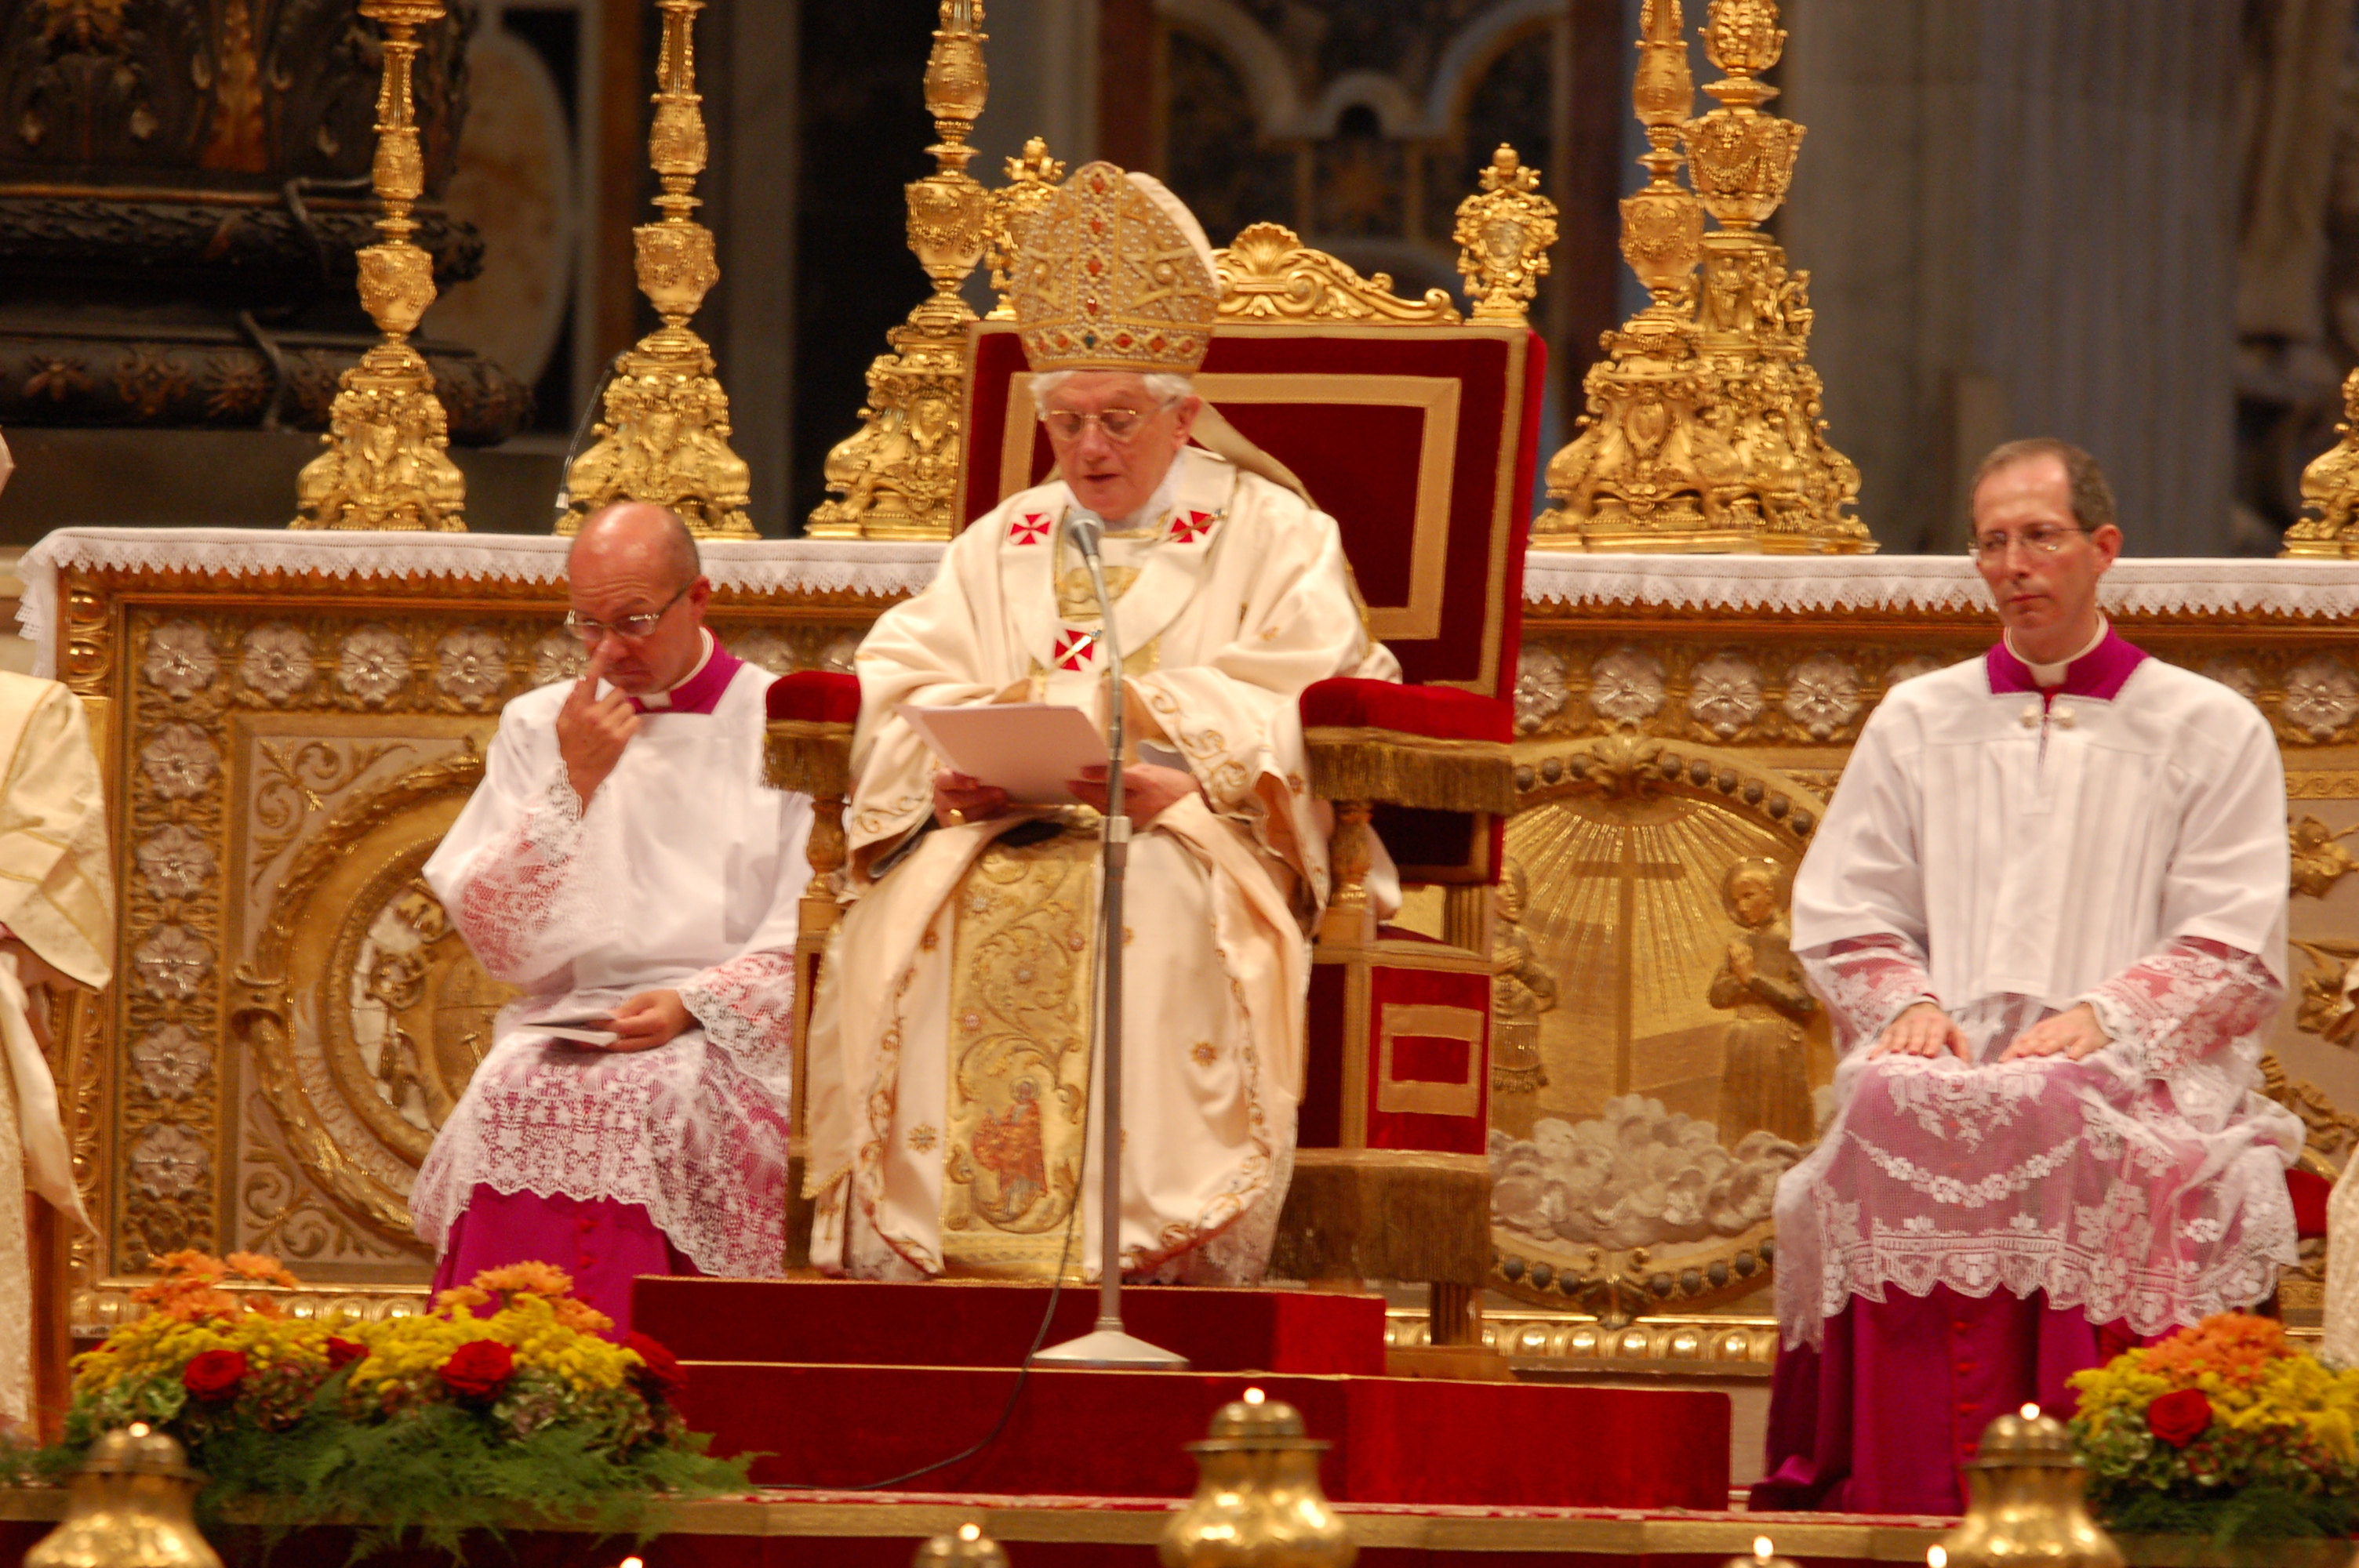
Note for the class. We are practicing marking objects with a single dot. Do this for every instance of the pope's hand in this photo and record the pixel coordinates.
(1924, 1029)
(591, 730)
(958, 799)
(2073, 1033)
(1148, 790)
(648, 1020)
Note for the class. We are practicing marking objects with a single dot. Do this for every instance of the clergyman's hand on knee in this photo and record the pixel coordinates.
(1924, 1029)
(2073, 1033)
(648, 1020)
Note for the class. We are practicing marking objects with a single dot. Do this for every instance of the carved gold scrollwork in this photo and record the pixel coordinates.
(1032, 179)
(1267, 273)
(361, 1011)
(1503, 232)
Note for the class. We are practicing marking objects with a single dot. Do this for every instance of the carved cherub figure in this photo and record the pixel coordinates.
(2320, 857)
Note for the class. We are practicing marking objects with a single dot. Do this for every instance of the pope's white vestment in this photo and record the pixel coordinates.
(2119, 841)
(682, 872)
(950, 1076)
(57, 897)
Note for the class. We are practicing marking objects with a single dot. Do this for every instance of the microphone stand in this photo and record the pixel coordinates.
(1107, 1346)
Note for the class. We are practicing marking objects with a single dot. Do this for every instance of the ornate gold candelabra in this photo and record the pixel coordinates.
(387, 463)
(665, 436)
(895, 477)
(1031, 180)
(1704, 431)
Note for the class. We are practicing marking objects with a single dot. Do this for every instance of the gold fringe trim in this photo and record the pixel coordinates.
(1360, 762)
(808, 755)
(1381, 1214)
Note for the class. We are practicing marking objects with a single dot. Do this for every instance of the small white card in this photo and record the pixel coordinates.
(1029, 748)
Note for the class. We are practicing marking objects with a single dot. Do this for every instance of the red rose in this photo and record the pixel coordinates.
(344, 1353)
(214, 1375)
(479, 1368)
(2178, 1419)
(662, 1369)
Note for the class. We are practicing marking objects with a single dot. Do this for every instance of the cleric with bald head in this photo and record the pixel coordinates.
(624, 865)
(949, 1073)
(2046, 911)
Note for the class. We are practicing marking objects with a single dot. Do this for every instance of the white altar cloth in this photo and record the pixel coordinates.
(1772, 583)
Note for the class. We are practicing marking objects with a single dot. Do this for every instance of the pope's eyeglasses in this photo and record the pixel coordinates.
(629, 627)
(2041, 539)
(1121, 425)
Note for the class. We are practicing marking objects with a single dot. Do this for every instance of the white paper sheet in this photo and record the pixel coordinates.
(1029, 748)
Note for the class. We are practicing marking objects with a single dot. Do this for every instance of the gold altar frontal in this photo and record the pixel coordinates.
(289, 722)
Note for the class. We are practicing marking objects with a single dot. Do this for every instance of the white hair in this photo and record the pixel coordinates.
(1165, 386)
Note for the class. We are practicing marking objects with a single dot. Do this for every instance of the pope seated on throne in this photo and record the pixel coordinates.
(951, 1079)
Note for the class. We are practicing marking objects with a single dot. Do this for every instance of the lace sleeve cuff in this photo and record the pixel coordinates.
(2184, 1003)
(747, 1007)
(1867, 983)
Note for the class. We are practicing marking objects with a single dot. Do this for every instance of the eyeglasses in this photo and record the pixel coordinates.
(632, 627)
(1120, 425)
(2041, 540)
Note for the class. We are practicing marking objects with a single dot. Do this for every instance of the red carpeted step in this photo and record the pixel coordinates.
(1120, 1435)
(980, 1324)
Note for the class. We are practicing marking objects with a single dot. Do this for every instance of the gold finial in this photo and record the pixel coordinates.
(1032, 179)
(132, 1503)
(2329, 490)
(2025, 1502)
(387, 463)
(665, 436)
(1504, 233)
(1704, 432)
(895, 477)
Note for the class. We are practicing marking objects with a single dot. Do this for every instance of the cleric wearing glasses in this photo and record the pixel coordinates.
(950, 1067)
(2047, 911)
(623, 863)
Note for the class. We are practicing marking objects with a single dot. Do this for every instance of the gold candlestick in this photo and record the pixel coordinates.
(387, 463)
(665, 436)
(895, 477)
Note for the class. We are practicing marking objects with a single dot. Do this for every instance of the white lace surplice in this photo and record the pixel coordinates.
(2134, 860)
(684, 873)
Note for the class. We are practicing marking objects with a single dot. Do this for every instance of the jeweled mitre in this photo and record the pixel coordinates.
(1108, 280)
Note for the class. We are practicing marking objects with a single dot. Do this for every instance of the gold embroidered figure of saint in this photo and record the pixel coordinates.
(1764, 1077)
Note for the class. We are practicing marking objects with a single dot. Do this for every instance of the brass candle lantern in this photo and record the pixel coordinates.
(1258, 1503)
(131, 1505)
(2024, 1501)
(966, 1546)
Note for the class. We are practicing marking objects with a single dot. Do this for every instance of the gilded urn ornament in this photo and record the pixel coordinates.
(387, 463)
(1704, 431)
(665, 434)
(2329, 490)
(2024, 1501)
(131, 1505)
(1504, 233)
(1258, 1503)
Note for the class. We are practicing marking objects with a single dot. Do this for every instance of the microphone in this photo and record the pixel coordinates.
(1085, 529)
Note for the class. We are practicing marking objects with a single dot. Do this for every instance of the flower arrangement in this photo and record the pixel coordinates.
(502, 1398)
(2221, 1429)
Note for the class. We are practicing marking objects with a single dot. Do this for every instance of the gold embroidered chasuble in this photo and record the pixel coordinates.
(950, 1075)
(57, 897)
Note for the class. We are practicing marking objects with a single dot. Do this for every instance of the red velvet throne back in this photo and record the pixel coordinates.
(1420, 439)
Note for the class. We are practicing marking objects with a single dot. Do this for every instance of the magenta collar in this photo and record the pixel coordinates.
(700, 692)
(2099, 673)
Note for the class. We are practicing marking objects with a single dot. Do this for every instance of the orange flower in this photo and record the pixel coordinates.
(2236, 1347)
(459, 1296)
(580, 1316)
(263, 1269)
(529, 1278)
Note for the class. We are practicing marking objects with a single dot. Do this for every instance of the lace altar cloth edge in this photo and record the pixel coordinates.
(759, 566)
(1786, 583)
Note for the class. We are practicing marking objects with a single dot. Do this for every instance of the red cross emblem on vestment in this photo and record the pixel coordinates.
(1190, 526)
(1028, 529)
(1075, 648)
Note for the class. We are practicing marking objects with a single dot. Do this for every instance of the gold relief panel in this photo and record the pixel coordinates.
(1678, 1058)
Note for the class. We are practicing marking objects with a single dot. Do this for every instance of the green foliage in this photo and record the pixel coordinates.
(2236, 1517)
